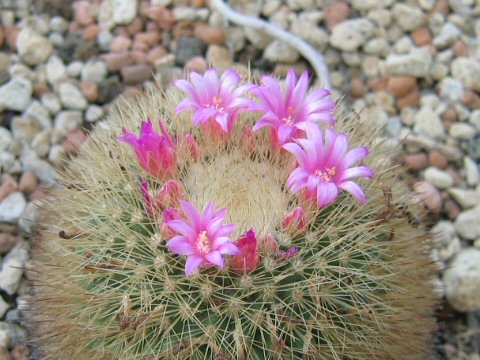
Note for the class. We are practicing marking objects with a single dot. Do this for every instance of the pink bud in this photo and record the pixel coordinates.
(248, 258)
(287, 254)
(170, 193)
(270, 245)
(192, 146)
(151, 205)
(295, 220)
(169, 215)
(248, 140)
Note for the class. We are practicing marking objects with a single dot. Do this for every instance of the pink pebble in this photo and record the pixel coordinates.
(82, 13)
(120, 44)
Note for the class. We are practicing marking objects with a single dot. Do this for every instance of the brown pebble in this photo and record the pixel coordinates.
(40, 193)
(400, 86)
(91, 32)
(422, 36)
(470, 99)
(11, 34)
(4, 354)
(182, 29)
(451, 208)
(437, 159)
(197, 3)
(2, 35)
(415, 162)
(144, 8)
(74, 140)
(82, 13)
(73, 26)
(155, 53)
(357, 87)
(139, 57)
(20, 352)
(41, 88)
(410, 100)
(336, 13)
(165, 19)
(441, 7)
(152, 26)
(149, 38)
(134, 74)
(135, 26)
(378, 84)
(90, 90)
(460, 49)
(197, 64)
(120, 31)
(140, 46)
(209, 35)
(9, 185)
(120, 44)
(132, 91)
(28, 182)
(429, 196)
(115, 61)
(449, 117)
(9, 228)
(7, 242)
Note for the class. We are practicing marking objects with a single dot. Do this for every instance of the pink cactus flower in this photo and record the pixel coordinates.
(270, 245)
(324, 167)
(203, 237)
(247, 259)
(169, 215)
(213, 98)
(155, 153)
(168, 196)
(290, 112)
(295, 220)
(191, 145)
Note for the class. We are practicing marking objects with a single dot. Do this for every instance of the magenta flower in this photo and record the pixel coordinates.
(213, 98)
(155, 153)
(247, 259)
(324, 167)
(202, 237)
(291, 111)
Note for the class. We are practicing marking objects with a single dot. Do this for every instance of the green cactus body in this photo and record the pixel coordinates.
(360, 287)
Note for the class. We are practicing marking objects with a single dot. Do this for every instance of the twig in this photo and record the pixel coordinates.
(308, 52)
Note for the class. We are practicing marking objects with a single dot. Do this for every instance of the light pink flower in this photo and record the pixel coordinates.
(292, 111)
(155, 153)
(214, 98)
(169, 215)
(203, 237)
(324, 166)
(247, 259)
(295, 220)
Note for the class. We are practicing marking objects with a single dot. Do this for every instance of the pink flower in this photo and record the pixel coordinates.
(291, 111)
(212, 98)
(270, 245)
(247, 259)
(295, 220)
(169, 215)
(168, 196)
(155, 153)
(324, 167)
(203, 237)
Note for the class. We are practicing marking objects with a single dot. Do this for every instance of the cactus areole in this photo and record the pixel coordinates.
(227, 220)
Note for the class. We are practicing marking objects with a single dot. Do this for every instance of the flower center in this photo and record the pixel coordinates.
(325, 175)
(288, 120)
(216, 102)
(203, 242)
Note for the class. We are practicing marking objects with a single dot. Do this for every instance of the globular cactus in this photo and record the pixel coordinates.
(127, 266)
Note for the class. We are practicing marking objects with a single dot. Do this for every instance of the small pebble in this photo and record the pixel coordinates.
(28, 182)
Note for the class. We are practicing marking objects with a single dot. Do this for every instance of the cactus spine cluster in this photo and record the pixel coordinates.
(360, 287)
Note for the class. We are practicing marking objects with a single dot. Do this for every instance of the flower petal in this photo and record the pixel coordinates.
(327, 192)
(354, 156)
(284, 133)
(355, 190)
(215, 258)
(358, 171)
(180, 245)
(192, 264)
(228, 249)
(192, 214)
(183, 228)
(298, 152)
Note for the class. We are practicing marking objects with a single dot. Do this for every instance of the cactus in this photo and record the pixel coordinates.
(341, 280)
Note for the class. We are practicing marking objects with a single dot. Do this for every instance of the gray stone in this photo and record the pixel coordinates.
(279, 51)
(33, 48)
(7, 159)
(11, 335)
(66, 121)
(462, 131)
(124, 11)
(467, 70)
(259, 38)
(40, 113)
(408, 17)
(448, 34)
(24, 128)
(472, 173)
(465, 198)
(467, 224)
(16, 94)
(12, 269)
(462, 281)
(4, 306)
(51, 103)
(57, 155)
(11, 208)
(42, 169)
(94, 113)
(30, 215)
(6, 138)
(71, 96)
(95, 71)
(376, 46)
(451, 89)
(446, 241)
(41, 143)
(5, 62)
(58, 24)
(55, 69)
(184, 13)
(188, 48)
(416, 63)
(309, 31)
(428, 123)
(441, 179)
(474, 119)
(351, 34)
(74, 69)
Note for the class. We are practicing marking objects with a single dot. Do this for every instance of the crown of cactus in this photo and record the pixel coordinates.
(218, 239)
